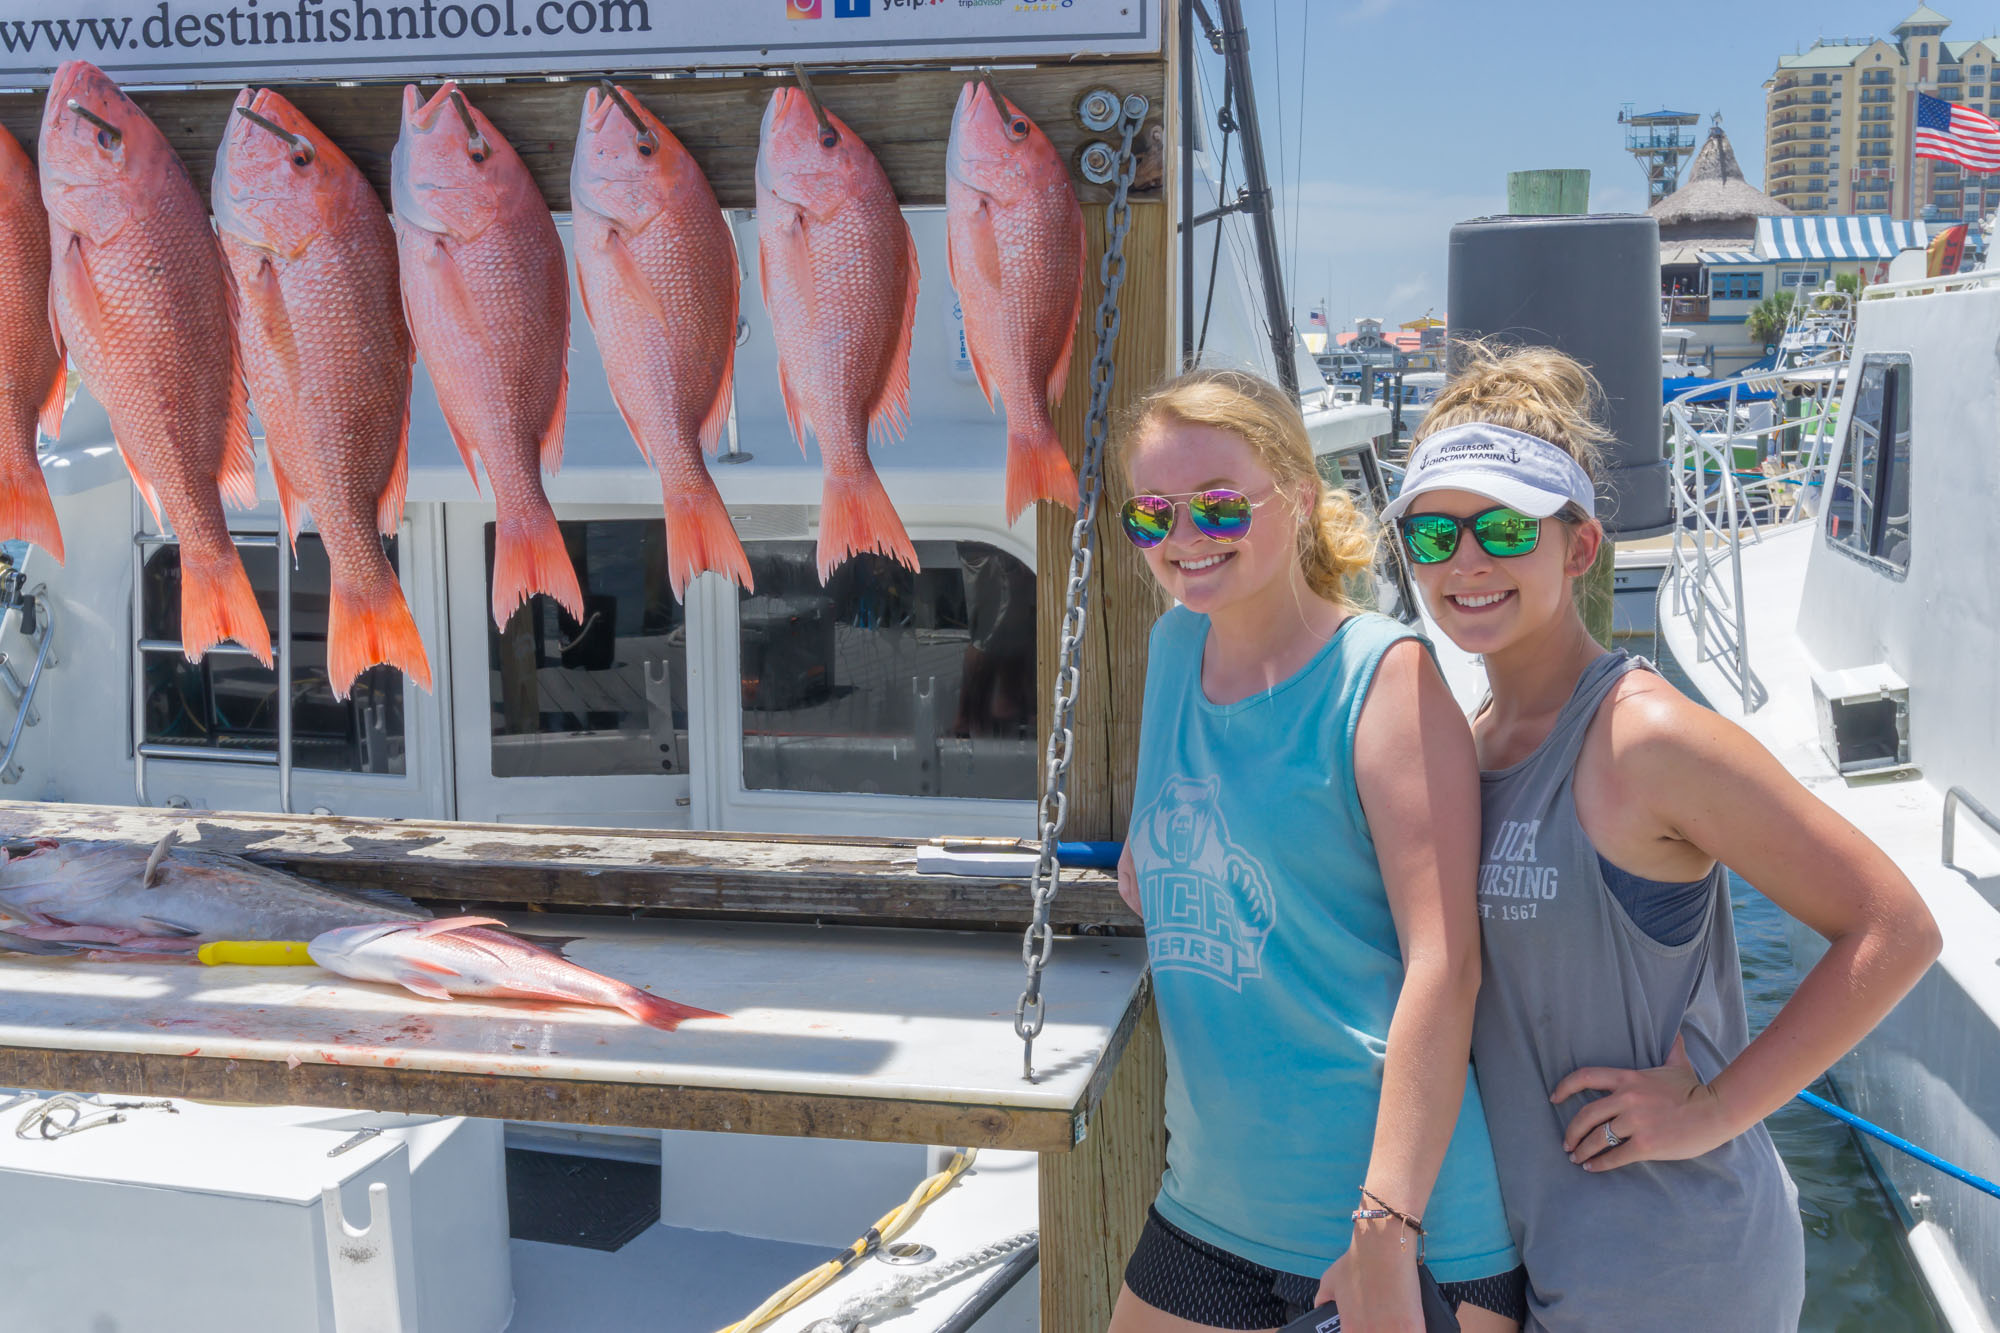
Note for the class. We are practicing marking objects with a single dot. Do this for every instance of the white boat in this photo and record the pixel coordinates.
(1844, 611)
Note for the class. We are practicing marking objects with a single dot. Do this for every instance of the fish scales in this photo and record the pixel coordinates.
(31, 373)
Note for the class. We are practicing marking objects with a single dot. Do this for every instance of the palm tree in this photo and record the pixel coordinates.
(1849, 283)
(1767, 320)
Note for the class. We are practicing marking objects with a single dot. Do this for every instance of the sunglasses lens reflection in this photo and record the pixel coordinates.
(1222, 516)
(1147, 519)
(1431, 538)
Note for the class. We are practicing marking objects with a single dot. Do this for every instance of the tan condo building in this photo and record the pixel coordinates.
(1839, 118)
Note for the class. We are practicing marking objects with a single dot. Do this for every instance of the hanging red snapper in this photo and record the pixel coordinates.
(31, 371)
(488, 301)
(657, 269)
(139, 297)
(313, 262)
(458, 956)
(839, 270)
(1016, 247)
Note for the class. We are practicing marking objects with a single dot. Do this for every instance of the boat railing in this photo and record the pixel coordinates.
(1741, 465)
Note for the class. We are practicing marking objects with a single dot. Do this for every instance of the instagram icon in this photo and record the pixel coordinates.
(802, 9)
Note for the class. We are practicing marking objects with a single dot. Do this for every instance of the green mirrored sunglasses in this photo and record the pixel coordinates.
(1501, 532)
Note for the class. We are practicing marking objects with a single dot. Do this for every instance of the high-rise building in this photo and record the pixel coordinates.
(1839, 118)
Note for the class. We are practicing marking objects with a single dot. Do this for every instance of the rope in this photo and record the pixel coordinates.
(889, 1226)
(1875, 1131)
(855, 1314)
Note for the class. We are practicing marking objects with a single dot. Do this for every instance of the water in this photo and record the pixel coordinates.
(1858, 1274)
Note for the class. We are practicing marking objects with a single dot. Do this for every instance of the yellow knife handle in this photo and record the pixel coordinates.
(258, 953)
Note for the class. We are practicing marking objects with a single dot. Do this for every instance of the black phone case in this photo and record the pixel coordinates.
(1438, 1316)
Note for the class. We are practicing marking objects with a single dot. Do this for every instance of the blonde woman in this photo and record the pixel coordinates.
(1618, 1076)
(1302, 848)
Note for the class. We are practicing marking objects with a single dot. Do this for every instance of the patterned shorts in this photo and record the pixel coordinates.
(1185, 1276)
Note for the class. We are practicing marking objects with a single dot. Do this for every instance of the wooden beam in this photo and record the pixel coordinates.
(856, 881)
(904, 116)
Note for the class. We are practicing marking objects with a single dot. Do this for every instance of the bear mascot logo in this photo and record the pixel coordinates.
(1209, 905)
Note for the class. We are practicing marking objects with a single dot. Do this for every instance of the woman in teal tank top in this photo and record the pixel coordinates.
(1303, 849)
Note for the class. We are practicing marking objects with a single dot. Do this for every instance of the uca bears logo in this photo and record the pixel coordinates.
(1208, 904)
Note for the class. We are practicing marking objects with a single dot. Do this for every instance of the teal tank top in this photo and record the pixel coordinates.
(1275, 964)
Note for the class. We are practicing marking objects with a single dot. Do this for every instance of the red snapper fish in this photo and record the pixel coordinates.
(313, 263)
(459, 956)
(1017, 255)
(657, 269)
(139, 297)
(839, 270)
(488, 301)
(31, 370)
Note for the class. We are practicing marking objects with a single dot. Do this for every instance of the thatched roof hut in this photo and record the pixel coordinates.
(1716, 204)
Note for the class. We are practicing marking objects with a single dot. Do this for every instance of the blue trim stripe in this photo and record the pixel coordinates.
(1823, 238)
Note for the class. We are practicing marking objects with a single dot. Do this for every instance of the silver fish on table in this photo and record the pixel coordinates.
(62, 895)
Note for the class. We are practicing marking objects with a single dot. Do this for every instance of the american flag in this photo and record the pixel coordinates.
(1318, 318)
(1957, 134)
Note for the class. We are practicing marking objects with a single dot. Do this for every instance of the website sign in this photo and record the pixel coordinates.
(238, 41)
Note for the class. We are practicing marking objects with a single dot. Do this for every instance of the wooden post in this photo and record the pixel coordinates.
(1548, 194)
(1094, 1199)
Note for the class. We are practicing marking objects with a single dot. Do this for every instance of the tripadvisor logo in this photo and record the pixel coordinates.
(979, 4)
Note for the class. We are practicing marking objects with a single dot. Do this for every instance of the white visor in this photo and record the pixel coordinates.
(1524, 472)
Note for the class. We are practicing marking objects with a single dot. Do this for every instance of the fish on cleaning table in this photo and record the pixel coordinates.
(839, 270)
(95, 895)
(1017, 255)
(657, 269)
(139, 299)
(32, 381)
(487, 294)
(312, 260)
(460, 956)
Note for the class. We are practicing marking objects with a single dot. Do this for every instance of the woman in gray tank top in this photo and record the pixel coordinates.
(1624, 1096)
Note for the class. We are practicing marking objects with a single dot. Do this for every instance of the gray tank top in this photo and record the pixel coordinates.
(1570, 981)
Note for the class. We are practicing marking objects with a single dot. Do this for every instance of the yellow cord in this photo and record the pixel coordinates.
(891, 1225)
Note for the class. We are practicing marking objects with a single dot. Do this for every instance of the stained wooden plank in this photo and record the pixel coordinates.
(904, 116)
(852, 880)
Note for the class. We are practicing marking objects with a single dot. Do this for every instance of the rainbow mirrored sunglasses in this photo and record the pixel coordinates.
(1432, 539)
(1221, 515)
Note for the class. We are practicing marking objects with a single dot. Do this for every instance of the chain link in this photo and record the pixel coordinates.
(1039, 941)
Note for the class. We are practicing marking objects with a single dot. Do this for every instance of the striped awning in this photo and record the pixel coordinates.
(1724, 258)
(1836, 237)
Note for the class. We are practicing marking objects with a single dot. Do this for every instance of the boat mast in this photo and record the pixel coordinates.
(1256, 200)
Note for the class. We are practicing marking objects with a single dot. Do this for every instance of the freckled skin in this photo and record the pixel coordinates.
(29, 366)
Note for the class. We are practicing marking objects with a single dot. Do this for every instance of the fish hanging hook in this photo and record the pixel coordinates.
(1011, 119)
(829, 137)
(649, 142)
(475, 142)
(104, 126)
(303, 153)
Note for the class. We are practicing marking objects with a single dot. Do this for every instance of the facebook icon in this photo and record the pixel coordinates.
(850, 9)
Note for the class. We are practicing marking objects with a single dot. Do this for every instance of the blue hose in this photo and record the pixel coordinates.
(1089, 855)
(1875, 1131)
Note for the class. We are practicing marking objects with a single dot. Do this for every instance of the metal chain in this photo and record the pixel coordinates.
(1040, 938)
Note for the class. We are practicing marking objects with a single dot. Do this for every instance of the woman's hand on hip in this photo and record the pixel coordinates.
(1656, 1115)
(1375, 1282)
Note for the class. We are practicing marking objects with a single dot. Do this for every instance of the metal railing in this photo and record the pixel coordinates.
(1953, 798)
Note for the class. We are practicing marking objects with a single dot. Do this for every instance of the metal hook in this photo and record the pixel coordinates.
(649, 142)
(303, 153)
(1011, 119)
(475, 142)
(829, 137)
(104, 126)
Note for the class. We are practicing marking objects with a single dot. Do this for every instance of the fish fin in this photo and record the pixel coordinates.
(979, 250)
(796, 258)
(423, 986)
(466, 453)
(26, 511)
(369, 626)
(429, 965)
(144, 487)
(552, 435)
(388, 898)
(155, 858)
(49, 419)
(13, 943)
(529, 556)
(59, 249)
(554, 944)
(449, 284)
(1037, 467)
(701, 537)
(856, 515)
(262, 299)
(218, 603)
(170, 929)
(72, 274)
(290, 511)
(891, 413)
(389, 509)
(236, 470)
(444, 925)
(1059, 376)
(657, 1012)
(717, 420)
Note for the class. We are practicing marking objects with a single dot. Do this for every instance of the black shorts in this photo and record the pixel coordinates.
(1187, 1277)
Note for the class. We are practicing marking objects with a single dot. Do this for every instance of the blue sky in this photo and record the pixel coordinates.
(1414, 111)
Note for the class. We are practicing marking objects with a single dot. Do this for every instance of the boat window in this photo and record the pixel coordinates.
(888, 682)
(608, 696)
(1870, 510)
(229, 702)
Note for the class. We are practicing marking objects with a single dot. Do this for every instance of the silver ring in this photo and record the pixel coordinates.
(1611, 1139)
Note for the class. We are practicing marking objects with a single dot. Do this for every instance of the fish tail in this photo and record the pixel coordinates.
(26, 512)
(700, 536)
(370, 625)
(218, 603)
(529, 557)
(663, 1014)
(855, 516)
(1037, 467)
